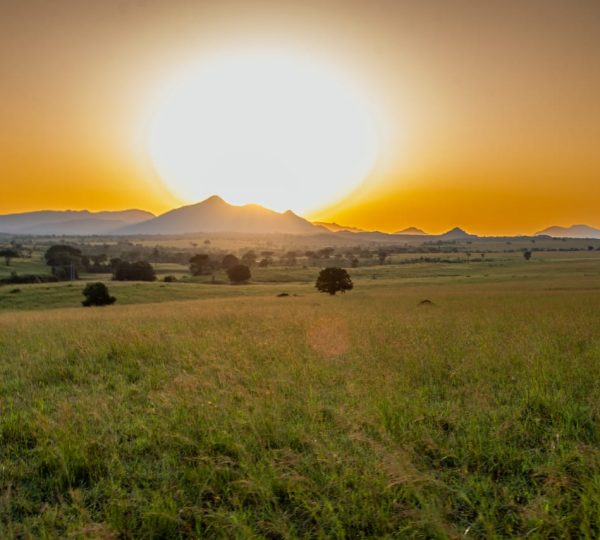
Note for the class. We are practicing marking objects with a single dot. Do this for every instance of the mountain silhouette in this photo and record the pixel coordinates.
(412, 231)
(214, 215)
(456, 234)
(68, 222)
(575, 231)
(335, 227)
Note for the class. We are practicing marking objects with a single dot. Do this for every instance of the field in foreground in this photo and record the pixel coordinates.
(364, 415)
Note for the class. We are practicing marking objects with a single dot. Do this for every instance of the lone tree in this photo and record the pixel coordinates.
(96, 294)
(8, 254)
(527, 255)
(239, 273)
(333, 279)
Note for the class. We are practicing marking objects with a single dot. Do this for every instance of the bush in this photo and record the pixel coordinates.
(96, 294)
(137, 271)
(27, 278)
(169, 279)
(333, 279)
(239, 273)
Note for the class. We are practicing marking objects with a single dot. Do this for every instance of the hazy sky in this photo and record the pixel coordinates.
(489, 111)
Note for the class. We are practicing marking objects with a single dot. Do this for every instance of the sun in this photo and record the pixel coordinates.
(276, 129)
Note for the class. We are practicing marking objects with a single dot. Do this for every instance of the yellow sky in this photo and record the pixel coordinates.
(491, 109)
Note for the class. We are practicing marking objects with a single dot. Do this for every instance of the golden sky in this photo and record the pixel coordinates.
(490, 111)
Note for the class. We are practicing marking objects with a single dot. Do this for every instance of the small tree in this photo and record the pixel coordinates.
(527, 255)
(333, 279)
(228, 261)
(382, 256)
(8, 254)
(200, 264)
(239, 273)
(96, 294)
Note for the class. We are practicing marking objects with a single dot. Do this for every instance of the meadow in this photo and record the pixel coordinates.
(194, 409)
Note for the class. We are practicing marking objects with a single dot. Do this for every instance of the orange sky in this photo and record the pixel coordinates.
(492, 108)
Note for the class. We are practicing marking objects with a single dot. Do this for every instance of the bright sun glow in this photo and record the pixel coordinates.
(274, 129)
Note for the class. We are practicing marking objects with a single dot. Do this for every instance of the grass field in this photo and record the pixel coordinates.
(224, 411)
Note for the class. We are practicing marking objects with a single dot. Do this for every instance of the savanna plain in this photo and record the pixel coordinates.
(198, 409)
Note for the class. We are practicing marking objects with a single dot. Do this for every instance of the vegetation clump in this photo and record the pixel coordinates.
(96, 294)
(239, 273)
(136, 271)
(332, 280)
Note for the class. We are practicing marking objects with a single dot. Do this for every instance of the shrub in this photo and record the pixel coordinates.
(96, 294)
(137, 271)
(169, 279)
(333, 279)
(239, 273)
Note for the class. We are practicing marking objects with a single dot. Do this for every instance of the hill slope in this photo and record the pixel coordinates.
(215, 215)
(70, 222)
(575, 231)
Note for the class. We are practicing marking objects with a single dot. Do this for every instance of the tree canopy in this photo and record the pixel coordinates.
(332, 280)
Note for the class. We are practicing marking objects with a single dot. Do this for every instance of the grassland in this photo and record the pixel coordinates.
(232, 413)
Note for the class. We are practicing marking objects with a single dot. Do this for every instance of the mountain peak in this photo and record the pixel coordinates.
(456, 234)
(213, 199)
(412, 230)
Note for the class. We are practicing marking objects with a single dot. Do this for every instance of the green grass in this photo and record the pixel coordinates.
(235, 414)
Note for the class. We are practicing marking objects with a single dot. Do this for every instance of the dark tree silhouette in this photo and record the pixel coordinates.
(333, 279)
(200, 264)
(229, 261)
(8, 254)
(382, 255)
(96, 294)
(137, 271)
(64, 260)
(239, 273)
(249, 259)
(527, 255)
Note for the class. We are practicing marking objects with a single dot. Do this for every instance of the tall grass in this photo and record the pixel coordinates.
(364, 415)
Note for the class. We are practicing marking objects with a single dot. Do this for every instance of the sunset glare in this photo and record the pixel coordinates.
(272, 128)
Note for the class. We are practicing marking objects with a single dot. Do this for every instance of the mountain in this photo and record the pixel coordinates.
(334, 227)
(71, 222)
(214, 215)
(412, 231)
(456, 234)
(575, 231)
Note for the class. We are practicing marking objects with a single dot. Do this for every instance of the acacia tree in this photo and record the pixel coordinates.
(8, 254)
(332, 280)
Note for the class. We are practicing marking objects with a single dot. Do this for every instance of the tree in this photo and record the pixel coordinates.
(333, 279)
(229, 261)
(96, 294)
(527, 255)
(239, 273)
(249, 259)
(382, 256)
(8, 254)
(137, 271)
(64, 260)
(200, 264)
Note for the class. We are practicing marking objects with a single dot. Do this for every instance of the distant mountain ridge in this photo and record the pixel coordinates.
(574, 231)
(69, 222)
(214, 215)
(335, 227)
(412, 231)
